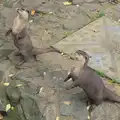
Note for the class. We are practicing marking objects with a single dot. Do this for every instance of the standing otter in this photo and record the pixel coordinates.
(87, 78)
(19, 32)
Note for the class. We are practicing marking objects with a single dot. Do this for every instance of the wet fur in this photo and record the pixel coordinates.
(21, 37)
(86, 78)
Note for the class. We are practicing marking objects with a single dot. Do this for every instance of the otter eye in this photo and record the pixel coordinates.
(28, 11)
(22, 9)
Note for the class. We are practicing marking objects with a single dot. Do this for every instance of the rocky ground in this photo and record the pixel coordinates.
(37, 91)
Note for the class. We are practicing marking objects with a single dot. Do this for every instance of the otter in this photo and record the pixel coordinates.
(21, 37)
(86, 78)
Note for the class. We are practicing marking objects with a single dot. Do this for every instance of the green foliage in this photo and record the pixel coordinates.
(102, 74)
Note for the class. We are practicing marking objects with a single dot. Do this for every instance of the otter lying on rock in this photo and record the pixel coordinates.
(21, 37)
(86, 78)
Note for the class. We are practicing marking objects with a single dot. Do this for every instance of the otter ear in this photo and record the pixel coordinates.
(28, 11)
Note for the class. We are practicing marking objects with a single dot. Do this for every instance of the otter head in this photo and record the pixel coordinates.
(83, 54)
(23, 13)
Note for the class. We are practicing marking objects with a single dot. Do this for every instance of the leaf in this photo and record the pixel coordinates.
(62, 53)
(11, 75)
(67, 3)
(32, 12)
(88, 117)
(67, 102)
(6, 84)
(19, 85)
(12, 108)
(57, 118)
(8, 106)
(101, 14)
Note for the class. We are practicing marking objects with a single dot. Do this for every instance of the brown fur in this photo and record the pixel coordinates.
(91, 83)
(21, 37)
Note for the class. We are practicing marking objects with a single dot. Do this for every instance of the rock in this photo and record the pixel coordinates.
(89, 1)
(15, 59)
(5, 53)
(31, 3)
(51, 18)
(78, 2)
(64, 117)
(3, 94)
(24, 99)
(56, 77)
(103, 112)
(9, 15)
(7, 46)
(49, 7)
(76, 23)
(51, 111)
(5, 68)
(9, 3)
(77, 108)
(1, 41)
(14, 95)
(30, 109)
(91, 9)
(102, 1)
(2, 110)
(1, 75)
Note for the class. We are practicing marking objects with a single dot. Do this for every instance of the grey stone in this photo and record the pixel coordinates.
(7, 46)
(14, 95)
(51, 18)
(112, 13)
(77, 108)
(5, 53)
(1, 42)
(1, 75)
(5, 65)
(49, 7)
(91, 9)
(9, 3)
(56, 77)
(3, 95)
(50, 112)
(31, 3)
(103, 112)
(89, 1)
(9, 15)
(64, 117)
(30, 109)
(102, 1)
(76, 23)
(78, 2)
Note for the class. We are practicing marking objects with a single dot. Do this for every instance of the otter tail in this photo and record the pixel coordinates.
(109, 95)
(8, 32)
(44, 50)
(85, 55)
